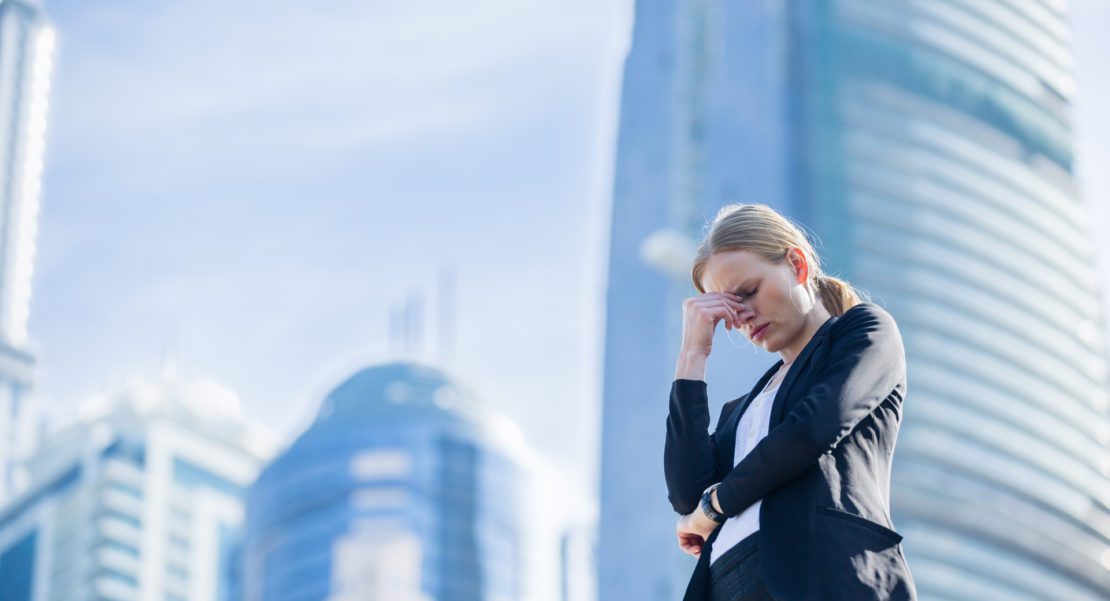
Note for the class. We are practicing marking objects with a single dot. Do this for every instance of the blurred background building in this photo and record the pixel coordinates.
(404, 488)
(929, 143)
(578, 562)
(26, 66)
(140, 497)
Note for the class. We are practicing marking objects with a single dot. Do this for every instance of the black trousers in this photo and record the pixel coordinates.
(735, 576)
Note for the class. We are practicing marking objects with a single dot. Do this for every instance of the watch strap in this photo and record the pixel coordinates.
(707, 504)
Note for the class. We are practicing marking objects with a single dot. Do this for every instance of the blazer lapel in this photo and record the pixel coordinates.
(727, 445)
(797, 369)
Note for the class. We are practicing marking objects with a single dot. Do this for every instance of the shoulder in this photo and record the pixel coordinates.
(866, 326)
(865, 315)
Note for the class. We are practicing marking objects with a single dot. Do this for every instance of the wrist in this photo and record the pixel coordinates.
(708, 505)
(691, 365)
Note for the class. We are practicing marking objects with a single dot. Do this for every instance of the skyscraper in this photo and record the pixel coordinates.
(140, 497)
(929, 147)
(404, 488)
(26, 63)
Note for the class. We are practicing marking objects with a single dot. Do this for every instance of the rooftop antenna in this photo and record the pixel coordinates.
(396, 329)
(446, 314)
(414, 323)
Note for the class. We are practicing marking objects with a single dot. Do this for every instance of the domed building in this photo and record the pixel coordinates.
(403, 488)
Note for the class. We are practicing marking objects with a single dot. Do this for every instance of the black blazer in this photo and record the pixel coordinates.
(822, 471)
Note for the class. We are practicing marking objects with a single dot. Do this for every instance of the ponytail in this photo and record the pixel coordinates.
(837, 295)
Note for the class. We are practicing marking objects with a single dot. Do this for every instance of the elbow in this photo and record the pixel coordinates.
(685, 486)
(682, 492)
(683, 504)
(817, 443)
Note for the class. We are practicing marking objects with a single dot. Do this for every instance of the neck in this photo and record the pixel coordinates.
(813, 321)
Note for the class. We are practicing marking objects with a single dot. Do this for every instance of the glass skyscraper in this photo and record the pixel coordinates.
(140, 497)
(928, 144)
(26, 65)
(404, 488)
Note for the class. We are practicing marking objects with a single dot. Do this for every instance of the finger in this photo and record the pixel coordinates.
(683, 544)
(714, 297)
(727, 313)
(737, 307)
(722, 296)
(738, 312)
(718, 310)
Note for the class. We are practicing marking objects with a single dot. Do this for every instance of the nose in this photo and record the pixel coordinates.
(747, 318)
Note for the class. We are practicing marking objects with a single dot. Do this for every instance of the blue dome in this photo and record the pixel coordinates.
(399, 390)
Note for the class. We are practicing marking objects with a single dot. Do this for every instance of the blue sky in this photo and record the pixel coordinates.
(1091, 47)
(256, 184)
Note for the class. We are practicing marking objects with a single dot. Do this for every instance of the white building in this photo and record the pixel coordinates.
(26, 63)
(139, 497)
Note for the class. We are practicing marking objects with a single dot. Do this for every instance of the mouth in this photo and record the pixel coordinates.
(758, 333)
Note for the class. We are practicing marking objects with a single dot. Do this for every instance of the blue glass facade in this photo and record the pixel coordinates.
(952, 122)
(17, 569)
(704, 121)
(928, 144)
(400, 489)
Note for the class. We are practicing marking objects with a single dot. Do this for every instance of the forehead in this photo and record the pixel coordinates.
(731, 269)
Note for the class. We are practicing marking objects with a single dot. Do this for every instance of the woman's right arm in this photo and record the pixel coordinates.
(689, 455)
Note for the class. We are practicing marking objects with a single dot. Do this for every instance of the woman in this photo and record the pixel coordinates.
(788, 499)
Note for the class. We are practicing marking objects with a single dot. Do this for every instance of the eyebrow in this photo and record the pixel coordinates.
(743, 286)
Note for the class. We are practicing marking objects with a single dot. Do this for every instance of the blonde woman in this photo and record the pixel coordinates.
(788, 498)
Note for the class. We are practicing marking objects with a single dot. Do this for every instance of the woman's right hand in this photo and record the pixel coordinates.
(700, 315)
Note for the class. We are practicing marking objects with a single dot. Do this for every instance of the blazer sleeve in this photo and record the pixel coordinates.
(690, 452)
(865, 364)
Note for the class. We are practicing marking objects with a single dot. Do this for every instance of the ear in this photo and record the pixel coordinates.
(799, 263)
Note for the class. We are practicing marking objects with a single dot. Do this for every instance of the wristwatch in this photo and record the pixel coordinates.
(707, 504)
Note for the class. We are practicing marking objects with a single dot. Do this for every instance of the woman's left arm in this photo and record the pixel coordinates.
(865, 364)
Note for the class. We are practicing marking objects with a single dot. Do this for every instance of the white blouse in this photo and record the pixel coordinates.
(753, 426)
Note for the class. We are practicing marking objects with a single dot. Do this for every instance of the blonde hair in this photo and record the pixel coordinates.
(768, 234)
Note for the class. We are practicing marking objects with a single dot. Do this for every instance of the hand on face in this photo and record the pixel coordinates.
(702, 313)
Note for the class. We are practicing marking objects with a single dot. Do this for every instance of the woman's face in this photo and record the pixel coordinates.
(775, 294)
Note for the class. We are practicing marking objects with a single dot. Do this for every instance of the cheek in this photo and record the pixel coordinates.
(775, 301)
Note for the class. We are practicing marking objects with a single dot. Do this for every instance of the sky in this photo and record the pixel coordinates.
(1090, 48)
(252, 187)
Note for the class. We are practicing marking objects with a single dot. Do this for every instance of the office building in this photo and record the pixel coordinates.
(928, 145)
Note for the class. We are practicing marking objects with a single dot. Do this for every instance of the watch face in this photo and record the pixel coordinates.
(707, 507)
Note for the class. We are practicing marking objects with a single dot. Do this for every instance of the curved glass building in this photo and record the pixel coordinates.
(928, 144)
(404, 488)
(948, 132)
